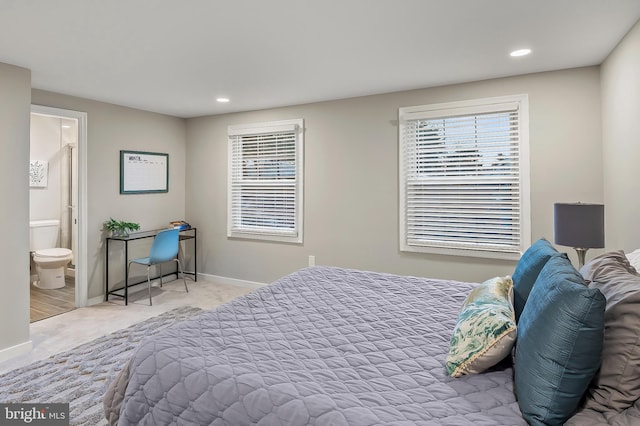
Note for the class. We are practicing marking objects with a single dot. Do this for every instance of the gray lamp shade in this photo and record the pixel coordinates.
(579, 225)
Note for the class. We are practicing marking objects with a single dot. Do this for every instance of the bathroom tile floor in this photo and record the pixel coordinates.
(66, 331)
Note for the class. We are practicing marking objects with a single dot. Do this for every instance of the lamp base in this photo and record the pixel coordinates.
(581, 256)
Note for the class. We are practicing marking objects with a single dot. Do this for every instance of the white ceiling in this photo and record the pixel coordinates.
(176, 57)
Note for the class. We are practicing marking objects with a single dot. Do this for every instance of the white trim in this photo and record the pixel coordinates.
(211, 279)
(231, 281)
(450, 109)
(13, 351)
(82, 265)
(525, 173)
(261, 128)
(95, 300)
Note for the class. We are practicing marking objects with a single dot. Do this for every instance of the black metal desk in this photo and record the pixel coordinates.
(185, 234)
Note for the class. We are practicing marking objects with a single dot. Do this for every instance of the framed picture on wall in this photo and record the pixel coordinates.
(143, 172)
(38, 173)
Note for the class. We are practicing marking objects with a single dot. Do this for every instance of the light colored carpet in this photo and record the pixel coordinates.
(81, 375)
(66, 331)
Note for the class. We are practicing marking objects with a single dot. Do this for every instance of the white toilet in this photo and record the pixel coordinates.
(50, 261)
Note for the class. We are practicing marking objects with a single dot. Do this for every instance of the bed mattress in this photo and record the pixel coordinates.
(322, 346)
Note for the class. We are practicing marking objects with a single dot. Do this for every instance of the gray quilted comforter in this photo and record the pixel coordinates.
(322, 346)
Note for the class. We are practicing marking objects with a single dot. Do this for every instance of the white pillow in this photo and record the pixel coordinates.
(634, 259)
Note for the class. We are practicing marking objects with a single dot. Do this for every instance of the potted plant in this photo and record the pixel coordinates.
(119, 228)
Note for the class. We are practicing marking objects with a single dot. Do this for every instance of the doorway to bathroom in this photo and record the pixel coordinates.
(57, 173)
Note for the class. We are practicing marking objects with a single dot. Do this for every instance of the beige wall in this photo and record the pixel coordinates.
(111, 128)
(621, 142)
(15, 105)
(351, 177)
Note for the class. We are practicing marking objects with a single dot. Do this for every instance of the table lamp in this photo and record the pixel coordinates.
(579, 225)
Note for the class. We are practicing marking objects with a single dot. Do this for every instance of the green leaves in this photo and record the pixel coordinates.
(119, 226)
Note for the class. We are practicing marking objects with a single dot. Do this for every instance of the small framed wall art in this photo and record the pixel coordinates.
(38, 173)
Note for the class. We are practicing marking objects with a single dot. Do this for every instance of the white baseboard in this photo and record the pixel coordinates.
(231, 281)
(95, 300)
(16, 350)
(207, 277)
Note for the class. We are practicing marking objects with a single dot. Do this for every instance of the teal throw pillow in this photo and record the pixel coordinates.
(527, 270)
(486, 329)
(559, 346)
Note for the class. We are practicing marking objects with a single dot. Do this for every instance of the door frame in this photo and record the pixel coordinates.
(81, 258)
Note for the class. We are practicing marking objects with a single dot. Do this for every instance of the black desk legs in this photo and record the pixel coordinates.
(106, 273)
(126, 273)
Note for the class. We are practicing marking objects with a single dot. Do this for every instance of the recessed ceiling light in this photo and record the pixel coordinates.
(66, 126)
(520, 52)
(222, 100)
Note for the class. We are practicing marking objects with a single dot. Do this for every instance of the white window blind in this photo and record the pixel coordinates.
(464, 178)
(265, 182)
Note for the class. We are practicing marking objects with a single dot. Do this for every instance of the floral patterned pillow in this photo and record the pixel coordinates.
(486, 329)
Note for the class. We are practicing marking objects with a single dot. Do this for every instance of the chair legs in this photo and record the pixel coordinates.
(149, 283)
(182, 272)
(160, 268)
(148, 280)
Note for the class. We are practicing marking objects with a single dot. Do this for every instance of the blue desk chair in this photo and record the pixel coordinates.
(164, 249)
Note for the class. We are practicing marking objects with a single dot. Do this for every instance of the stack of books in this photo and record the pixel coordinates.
(180, 224)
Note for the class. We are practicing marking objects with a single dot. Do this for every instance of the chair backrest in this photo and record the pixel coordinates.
(165, 246)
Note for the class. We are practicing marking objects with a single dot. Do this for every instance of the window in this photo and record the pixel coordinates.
(464, 178)
(265, 181)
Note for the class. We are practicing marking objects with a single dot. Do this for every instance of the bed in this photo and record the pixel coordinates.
(324, 346)
(334, 346)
